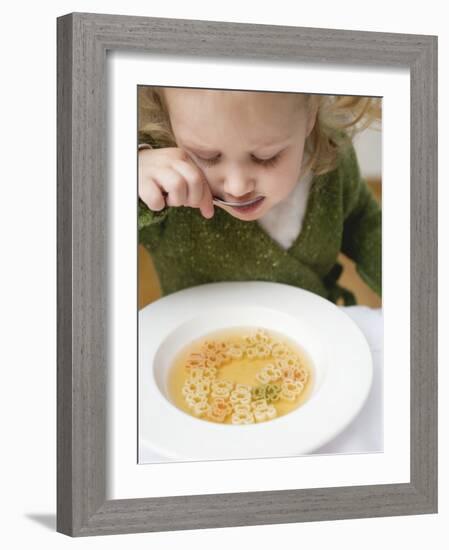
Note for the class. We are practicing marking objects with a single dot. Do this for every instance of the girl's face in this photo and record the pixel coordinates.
(248, 144)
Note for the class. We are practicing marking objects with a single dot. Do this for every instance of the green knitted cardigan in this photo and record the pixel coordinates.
(341, 215)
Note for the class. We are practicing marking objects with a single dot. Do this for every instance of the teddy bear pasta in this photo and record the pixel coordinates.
(240, 376)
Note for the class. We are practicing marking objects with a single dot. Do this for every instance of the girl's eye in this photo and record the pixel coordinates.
(209, 162)
(267, 162)
(263, 162)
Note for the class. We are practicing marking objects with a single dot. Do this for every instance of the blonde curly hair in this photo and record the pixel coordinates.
(339, 119)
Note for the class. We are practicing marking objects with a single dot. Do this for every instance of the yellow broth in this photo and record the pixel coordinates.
(238, 370)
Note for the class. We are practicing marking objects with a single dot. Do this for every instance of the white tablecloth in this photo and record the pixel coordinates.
(365, 433)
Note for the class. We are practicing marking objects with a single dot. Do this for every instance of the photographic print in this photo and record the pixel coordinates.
(260, 274)
(221, 294)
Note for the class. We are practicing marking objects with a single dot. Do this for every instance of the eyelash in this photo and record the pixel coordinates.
(267, 163)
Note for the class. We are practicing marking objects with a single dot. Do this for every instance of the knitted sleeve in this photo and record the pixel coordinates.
(362, 230)
(147, 217)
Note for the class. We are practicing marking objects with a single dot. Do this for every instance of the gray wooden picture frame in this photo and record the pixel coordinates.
(82, 278)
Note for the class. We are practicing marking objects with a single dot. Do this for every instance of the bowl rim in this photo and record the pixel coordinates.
(182, 423)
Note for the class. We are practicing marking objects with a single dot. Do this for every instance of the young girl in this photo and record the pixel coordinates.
(286, 164)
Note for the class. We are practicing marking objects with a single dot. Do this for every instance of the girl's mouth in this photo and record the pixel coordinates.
(249, 208)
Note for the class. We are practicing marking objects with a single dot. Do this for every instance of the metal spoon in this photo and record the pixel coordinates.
(228, 203)
(217, 200)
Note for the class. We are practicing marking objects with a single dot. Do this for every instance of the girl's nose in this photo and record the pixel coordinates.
(237, 184)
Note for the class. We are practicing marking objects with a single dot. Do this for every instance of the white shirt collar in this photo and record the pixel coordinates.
(284, 221)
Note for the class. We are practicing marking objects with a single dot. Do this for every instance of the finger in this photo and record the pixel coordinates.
(173, 183)
(152, 195)
(206, 205)
(204, 197)
(195, 181)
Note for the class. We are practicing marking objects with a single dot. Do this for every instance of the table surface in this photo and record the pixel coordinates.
(365, 433)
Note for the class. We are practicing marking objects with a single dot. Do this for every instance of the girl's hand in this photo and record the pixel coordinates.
(169, 177)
